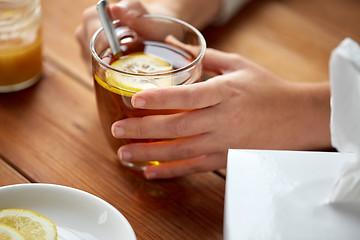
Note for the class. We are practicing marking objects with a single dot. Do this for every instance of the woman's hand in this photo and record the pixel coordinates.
(127, 10)
(245, 107)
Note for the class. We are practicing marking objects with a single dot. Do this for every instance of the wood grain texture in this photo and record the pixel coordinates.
(9, 175)
(293, 39)
(61, 19)
(52, 132)
(339, 16)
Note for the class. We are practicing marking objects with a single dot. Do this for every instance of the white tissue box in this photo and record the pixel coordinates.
(282, 195)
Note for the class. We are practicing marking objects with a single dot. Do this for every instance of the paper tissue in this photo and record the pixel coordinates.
(345, 117)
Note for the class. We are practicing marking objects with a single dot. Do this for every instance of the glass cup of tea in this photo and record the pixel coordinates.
(155, 52)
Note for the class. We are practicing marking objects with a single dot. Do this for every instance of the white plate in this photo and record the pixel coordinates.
(78, 215)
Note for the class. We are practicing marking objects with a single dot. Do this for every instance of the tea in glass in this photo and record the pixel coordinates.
(144, 62)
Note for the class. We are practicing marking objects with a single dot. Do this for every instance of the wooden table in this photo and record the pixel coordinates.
(50, 133)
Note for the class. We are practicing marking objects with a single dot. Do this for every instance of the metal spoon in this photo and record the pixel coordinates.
(108, 26)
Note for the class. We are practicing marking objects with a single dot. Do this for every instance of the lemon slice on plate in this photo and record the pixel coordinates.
(30, 224)
(138, 63)
(9, 233)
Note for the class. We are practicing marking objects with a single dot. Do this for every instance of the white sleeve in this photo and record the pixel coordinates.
(345, 117)
(229, 9)
(345, 96)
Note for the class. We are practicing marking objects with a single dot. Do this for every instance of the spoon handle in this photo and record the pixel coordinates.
(108, 26)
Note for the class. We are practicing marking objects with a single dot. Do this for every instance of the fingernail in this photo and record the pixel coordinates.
(124, 155)
(118, 132)
(150, 175)
(139, 102)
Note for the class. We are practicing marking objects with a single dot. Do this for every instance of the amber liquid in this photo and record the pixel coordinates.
(19, 62)
(113, 107)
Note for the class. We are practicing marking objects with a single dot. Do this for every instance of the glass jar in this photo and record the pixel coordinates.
(20, 44)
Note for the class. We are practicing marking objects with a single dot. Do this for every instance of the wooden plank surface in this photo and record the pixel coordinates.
(338, 16)
(58, 139)
(9, 175)
(291, 38)
(51, 132)
(60, 45)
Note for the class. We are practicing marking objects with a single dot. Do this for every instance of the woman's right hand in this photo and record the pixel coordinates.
(244, 107)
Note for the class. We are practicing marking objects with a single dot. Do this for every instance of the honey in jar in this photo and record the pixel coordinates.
(20, 44)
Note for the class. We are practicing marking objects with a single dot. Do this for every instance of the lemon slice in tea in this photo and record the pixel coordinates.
(140, 63)
(30, 224)
(9, 233)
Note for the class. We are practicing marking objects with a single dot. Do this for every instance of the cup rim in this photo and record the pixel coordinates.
(190, 65)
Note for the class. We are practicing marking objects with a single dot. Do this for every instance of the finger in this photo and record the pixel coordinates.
(194, 96)
(85, 31)
(182, 148)
(166, 126)
(80, 36)
(205, 163)
(221, 62)
(193, 49)
(127, 11)
(198, 95)
(90, 24)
